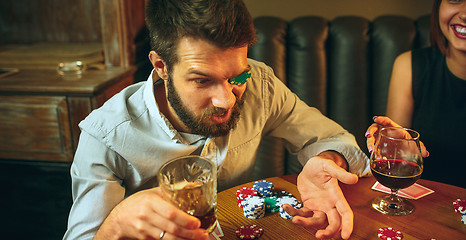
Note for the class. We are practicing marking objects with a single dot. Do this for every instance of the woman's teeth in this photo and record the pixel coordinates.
(460, 29)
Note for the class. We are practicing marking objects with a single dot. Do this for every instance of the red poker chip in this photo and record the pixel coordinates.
(249, 232)
(460, 206)
(388, 233)
(245, 192)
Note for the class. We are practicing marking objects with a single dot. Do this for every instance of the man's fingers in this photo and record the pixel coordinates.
(175, 222)
(171, 213)
(303, 212)
(339, 173)
(347, 217)
(174, 229)
(334, 224)
(317, 219)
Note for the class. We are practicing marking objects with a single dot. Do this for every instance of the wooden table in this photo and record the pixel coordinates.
(434, 216)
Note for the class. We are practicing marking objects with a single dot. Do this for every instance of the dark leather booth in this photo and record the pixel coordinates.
(340, 66)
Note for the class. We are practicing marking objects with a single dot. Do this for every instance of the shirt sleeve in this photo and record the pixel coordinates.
(96, 188)
(306, 131)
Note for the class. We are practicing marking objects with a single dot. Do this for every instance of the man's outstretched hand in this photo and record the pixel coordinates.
(324, 205)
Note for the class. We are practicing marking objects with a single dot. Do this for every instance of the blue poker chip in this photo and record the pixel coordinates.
(264, 188)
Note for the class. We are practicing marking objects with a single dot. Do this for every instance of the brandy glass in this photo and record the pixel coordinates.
(190, 183)
(396, 163)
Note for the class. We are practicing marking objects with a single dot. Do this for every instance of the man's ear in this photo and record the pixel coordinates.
(158, 64)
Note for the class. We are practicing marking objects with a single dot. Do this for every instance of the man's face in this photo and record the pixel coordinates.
(198, 87)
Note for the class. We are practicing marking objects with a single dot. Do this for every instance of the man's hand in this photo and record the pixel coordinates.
(325, 206)
(145, 215)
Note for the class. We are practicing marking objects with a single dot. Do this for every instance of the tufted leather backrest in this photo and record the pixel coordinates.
(342, 67)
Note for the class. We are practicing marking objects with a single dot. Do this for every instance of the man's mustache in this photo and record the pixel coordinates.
(215, 111)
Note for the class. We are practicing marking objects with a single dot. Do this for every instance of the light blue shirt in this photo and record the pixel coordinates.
(124, 143)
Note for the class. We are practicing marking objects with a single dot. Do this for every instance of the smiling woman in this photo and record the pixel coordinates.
(428, 92)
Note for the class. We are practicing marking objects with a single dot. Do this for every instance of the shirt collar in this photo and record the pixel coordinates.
(154, 112)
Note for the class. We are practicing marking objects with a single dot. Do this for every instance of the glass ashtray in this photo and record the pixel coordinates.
(66, 68)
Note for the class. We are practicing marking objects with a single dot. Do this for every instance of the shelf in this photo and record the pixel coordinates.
(47, 55)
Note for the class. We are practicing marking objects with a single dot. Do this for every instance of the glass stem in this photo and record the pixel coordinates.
(394, 194)
(394, 200)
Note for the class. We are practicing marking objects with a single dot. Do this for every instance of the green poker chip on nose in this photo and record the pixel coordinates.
(244, 77)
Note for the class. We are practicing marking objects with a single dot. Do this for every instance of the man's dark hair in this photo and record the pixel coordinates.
(224, 23)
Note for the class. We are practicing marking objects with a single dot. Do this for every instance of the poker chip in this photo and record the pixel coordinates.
(463, 218)
(243, 193)
(262, 199)
(388, 233)
(254, 207)
(292, 201)
(264, 188)
(284, 214)
(460, 206)
(249, 232)
(289, 200)
(271, 204)
(282, 194)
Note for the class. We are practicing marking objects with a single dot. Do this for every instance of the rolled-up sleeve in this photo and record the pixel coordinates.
(343, 143)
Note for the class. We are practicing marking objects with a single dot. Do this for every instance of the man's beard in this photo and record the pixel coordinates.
(202, 125)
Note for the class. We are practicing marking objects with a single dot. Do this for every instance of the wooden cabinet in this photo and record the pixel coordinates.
(35, 127)
(40, 110)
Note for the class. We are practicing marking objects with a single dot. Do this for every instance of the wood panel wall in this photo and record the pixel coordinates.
(25, 21)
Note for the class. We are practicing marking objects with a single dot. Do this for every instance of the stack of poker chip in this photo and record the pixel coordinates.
(262, 198)
(287, 200)
(264, 188)
(254, 207)
(243, 193)
(271, 204)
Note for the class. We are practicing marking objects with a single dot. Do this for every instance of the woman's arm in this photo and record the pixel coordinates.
(400, 102)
